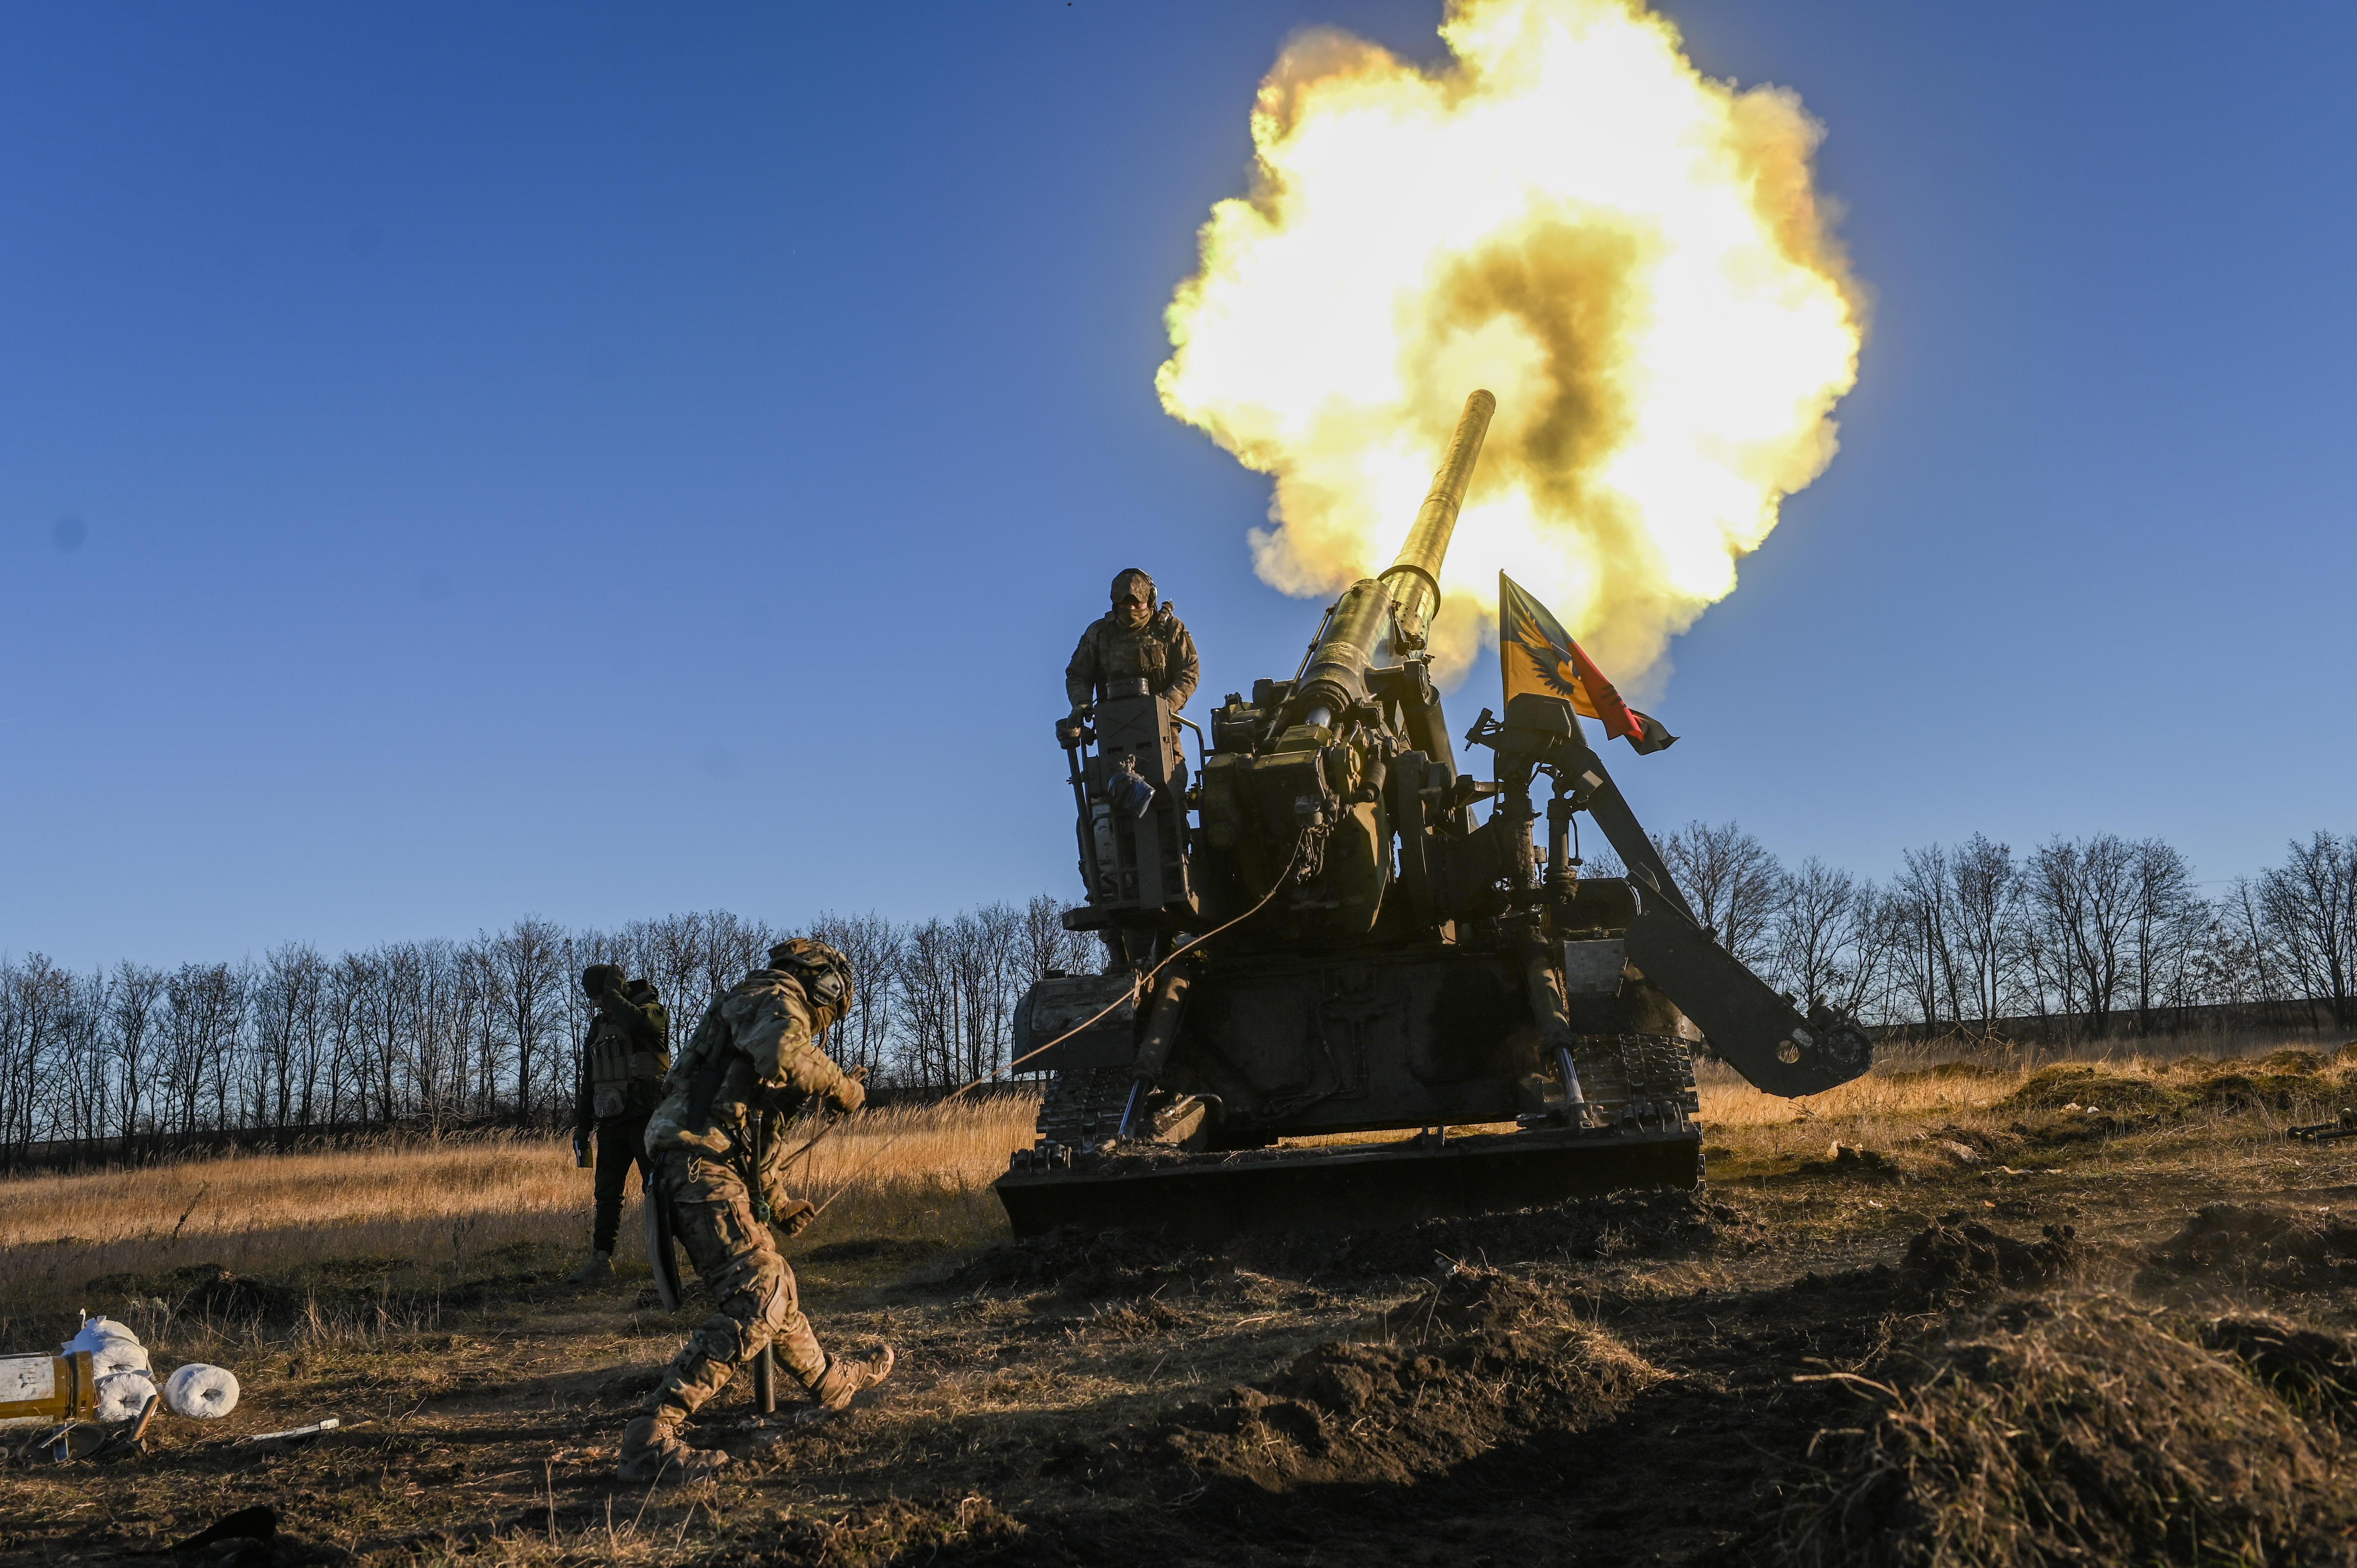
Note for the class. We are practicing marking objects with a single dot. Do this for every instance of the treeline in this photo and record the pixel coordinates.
(2077, 937)
(438, 1033)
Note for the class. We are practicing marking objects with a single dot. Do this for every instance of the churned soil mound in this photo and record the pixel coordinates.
(203, 1291)
(2088, 1088)
(1088, 1263)
(2228, 1246)
(1484, 1358)
(1138, 1262)
(1620, 1224)
(1956, 1256)
(2232, 1092)
(2314, 1370)
(2083, 1434)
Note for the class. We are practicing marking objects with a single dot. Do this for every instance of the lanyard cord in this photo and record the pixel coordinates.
(1300, 845)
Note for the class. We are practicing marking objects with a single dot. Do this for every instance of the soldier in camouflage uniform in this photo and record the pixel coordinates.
(754, 1061)
(622, 1066)
(1137, 637)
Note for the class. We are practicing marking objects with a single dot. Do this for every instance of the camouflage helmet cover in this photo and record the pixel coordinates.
(1131, 580)
(598, 977)
(824, 972)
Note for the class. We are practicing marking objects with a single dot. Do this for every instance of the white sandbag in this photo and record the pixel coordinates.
(123, 1395)
(96, 1332)
(119, 1356)
(200, 1391)
(113, 1348)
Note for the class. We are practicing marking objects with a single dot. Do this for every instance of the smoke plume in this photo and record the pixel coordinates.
(1635, 259)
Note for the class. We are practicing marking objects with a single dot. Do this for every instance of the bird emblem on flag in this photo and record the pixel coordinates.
(1536, 654)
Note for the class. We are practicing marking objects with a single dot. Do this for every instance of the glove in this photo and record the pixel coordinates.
(580, 1151)
(852, 1092)
(794, 1217)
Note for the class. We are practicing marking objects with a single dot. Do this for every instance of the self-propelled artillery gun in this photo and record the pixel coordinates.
(1314, 936)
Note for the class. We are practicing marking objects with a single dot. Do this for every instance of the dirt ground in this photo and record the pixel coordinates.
(1904, 1336)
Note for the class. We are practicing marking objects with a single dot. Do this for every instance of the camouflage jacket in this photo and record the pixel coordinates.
(1161, 651)
(758, 1050)
(623, 1058)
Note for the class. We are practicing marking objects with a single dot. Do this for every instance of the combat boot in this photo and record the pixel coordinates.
(846, 1375)
(651, 1451)
(599, 1268)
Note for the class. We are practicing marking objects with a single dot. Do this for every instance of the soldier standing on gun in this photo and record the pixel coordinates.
(1136, 640)
(754, 1062)
(622, 1066)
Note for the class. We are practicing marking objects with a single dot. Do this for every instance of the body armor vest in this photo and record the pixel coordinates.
(1131, 654)
(624, 1078)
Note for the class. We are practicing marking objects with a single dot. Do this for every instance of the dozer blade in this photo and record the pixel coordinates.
(1208, 1196)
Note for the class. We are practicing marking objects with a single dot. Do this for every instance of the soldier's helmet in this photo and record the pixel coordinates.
(1130, 580)
(598, 978)
(824, 972)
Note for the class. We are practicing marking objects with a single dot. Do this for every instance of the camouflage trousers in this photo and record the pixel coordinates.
(737, 1258)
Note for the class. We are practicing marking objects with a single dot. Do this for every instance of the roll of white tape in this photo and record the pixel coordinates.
(200, 1391)
(123, 1395)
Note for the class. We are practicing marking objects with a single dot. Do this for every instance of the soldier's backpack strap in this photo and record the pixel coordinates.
(722, 1069)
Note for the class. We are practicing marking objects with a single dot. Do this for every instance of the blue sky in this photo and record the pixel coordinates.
(465, 462)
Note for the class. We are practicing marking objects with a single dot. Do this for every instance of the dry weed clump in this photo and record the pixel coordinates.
(2085, 1434)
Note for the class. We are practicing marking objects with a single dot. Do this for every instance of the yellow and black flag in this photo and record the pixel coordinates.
(1538, 655)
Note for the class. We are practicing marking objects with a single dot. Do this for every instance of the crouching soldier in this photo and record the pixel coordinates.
(622, 1066)
(754, 1061)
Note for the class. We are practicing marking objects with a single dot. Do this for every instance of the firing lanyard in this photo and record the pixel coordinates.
(1300, 847)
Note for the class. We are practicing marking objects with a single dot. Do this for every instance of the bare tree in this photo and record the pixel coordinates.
(286, 1007)
(350, 985)
(2166, 919)
(35, 1003)
(875, 946)
(205, 1010)
(1984, 896)
(1046, 948)
(130, 1007)
(987, 943)
(926, 994)
(2310, 903)
(1813, 931)
(530, 956)
(2084, 892)
(1927, 955)
(733, 948)
(1734, 884)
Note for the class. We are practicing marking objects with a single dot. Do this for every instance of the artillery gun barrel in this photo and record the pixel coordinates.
(1414, 578)
(1408, 592)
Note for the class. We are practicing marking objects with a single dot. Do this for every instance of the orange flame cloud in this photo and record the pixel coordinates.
(1635, 259)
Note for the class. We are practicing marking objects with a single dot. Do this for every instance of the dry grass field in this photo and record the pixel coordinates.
(1970, 1309)
(425, 1216)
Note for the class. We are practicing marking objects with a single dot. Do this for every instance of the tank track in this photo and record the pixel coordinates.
(1637, 1079)
(1082, 1106)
